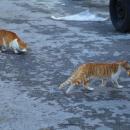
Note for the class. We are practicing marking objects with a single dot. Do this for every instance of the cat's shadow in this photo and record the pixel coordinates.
(12, 53)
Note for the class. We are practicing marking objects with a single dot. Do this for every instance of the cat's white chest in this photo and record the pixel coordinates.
(14, 44)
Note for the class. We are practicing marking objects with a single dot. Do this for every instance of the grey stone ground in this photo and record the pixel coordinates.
(29, 95)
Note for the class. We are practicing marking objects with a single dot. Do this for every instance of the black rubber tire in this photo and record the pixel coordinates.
(120, 14)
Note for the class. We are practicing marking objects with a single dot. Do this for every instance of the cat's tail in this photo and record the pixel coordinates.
(65, 83)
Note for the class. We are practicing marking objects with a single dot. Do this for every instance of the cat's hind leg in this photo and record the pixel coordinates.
(3, 49)
(3, 46)
(86, 85)
(62, 85)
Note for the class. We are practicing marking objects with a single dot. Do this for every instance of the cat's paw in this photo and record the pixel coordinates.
(120, 86)
(16, 52)
(61, 86)
(102, 85)
(90, 88)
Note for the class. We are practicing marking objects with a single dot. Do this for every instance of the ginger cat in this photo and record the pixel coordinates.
(10, 40)
(86, 72)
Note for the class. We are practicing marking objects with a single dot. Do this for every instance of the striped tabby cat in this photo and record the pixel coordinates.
(86, 72)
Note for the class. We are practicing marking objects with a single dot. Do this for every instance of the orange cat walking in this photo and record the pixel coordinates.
(86, 72)
(10, 40)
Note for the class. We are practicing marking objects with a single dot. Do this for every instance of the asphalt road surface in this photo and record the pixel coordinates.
(29, 94)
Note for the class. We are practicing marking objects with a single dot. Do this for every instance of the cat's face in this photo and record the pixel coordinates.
(18, 46)
(22, 47)
(124, 64)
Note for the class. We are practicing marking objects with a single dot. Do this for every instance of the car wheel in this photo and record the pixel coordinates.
(120, 14)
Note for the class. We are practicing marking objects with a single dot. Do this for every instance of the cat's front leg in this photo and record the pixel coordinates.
(117, 84)
(104, 82)
(115, 78)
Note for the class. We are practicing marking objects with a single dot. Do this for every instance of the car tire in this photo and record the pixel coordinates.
(120, 14)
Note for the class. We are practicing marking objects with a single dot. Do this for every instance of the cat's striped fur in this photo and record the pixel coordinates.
(85, 72)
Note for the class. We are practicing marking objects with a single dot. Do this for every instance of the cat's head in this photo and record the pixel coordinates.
(124, 64)
(22, 46)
